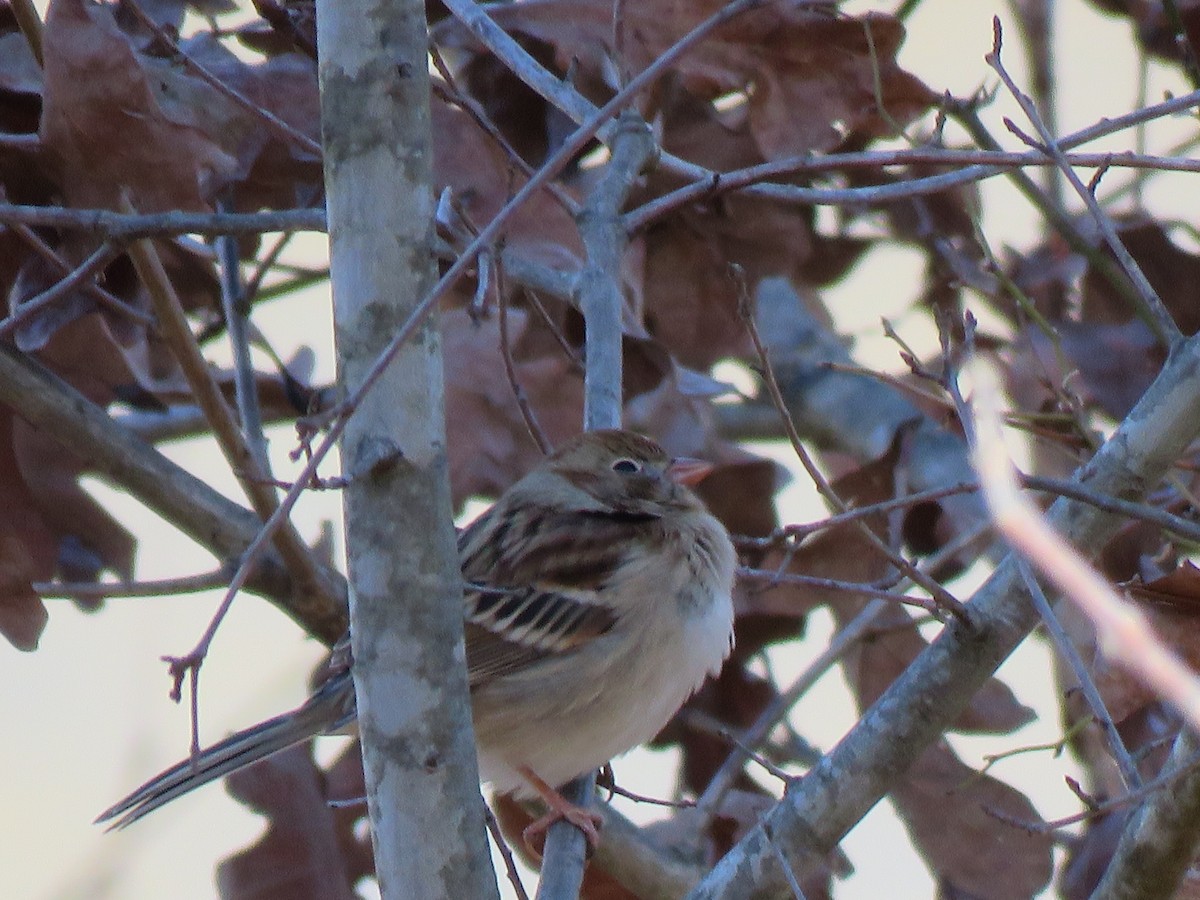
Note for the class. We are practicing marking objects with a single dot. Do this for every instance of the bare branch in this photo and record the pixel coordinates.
(237, 316)
(1066, 649)
(117, 225)
(76, 276)
(216, 523)
(935, 688)
(410, 679)
(1152, 309)
(254, 482)
(1161, 840)
(1123, 630)
(602, 302)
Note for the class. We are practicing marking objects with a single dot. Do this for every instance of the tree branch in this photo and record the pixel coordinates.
(218, 524)
(819, 810)
(414, 714)
(1161, 839)
(602, 302)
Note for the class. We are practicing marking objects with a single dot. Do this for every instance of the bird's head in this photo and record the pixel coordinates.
(628, 472)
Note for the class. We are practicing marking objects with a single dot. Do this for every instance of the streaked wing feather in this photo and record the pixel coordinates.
(569, 549)
(508, 631)
(546, 572)
(490, 656)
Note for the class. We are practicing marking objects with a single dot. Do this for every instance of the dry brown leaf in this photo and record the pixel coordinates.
(1138, 550)
(1153, 26)
(810, 77)
(527, 121)
(90, 540)
(28, 550)
(109, 123)
(1047, 275)
(1172, 271)
(287, 26)
(273, 170)
(301, 855)
(483, 179)
(1116, 363)
(20, 110)
(490, 446)
(1172, 605)
(691, 300)
(49, 523)
(19, 71)
(1176, 592)
(943, 804)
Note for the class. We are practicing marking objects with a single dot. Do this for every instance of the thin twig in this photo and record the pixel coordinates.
(1176, 525)
(237, 325)
(454, 94)
(1056, 747)
(725, 777)
(979, 166)
(1098, 809)
(943, 598)
(801, 531)
(1087, 685)
(177, 333)
(788, 873)
(1123, 631)
(773, 577)
(100, 590)
(506, 854)
(1157, 315)
(268, 260)
(510, 369)
(276, 124)
(105, 299)
(101, 257)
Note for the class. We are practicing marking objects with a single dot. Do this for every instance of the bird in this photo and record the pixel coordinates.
(597, 598)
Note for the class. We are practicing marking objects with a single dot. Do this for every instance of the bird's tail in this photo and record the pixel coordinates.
(327, 711)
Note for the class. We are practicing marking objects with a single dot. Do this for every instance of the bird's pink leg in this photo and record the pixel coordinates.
(585, 820)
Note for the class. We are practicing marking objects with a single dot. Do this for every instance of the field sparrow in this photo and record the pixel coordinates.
(597, 600)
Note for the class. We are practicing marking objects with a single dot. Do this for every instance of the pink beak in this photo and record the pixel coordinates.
(685, 470)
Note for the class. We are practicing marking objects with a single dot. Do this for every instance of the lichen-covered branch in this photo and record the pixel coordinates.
(820, 809)
(427, 822)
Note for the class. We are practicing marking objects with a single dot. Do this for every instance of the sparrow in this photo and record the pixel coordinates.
(597, 599)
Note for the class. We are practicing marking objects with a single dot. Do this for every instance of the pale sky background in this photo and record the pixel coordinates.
(88, 716)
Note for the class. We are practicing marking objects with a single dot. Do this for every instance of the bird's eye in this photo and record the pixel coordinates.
(626, 466)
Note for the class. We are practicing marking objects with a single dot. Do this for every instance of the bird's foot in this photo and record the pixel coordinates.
(586, 820)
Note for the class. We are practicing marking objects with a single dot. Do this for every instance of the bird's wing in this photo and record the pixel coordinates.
(535, 587)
